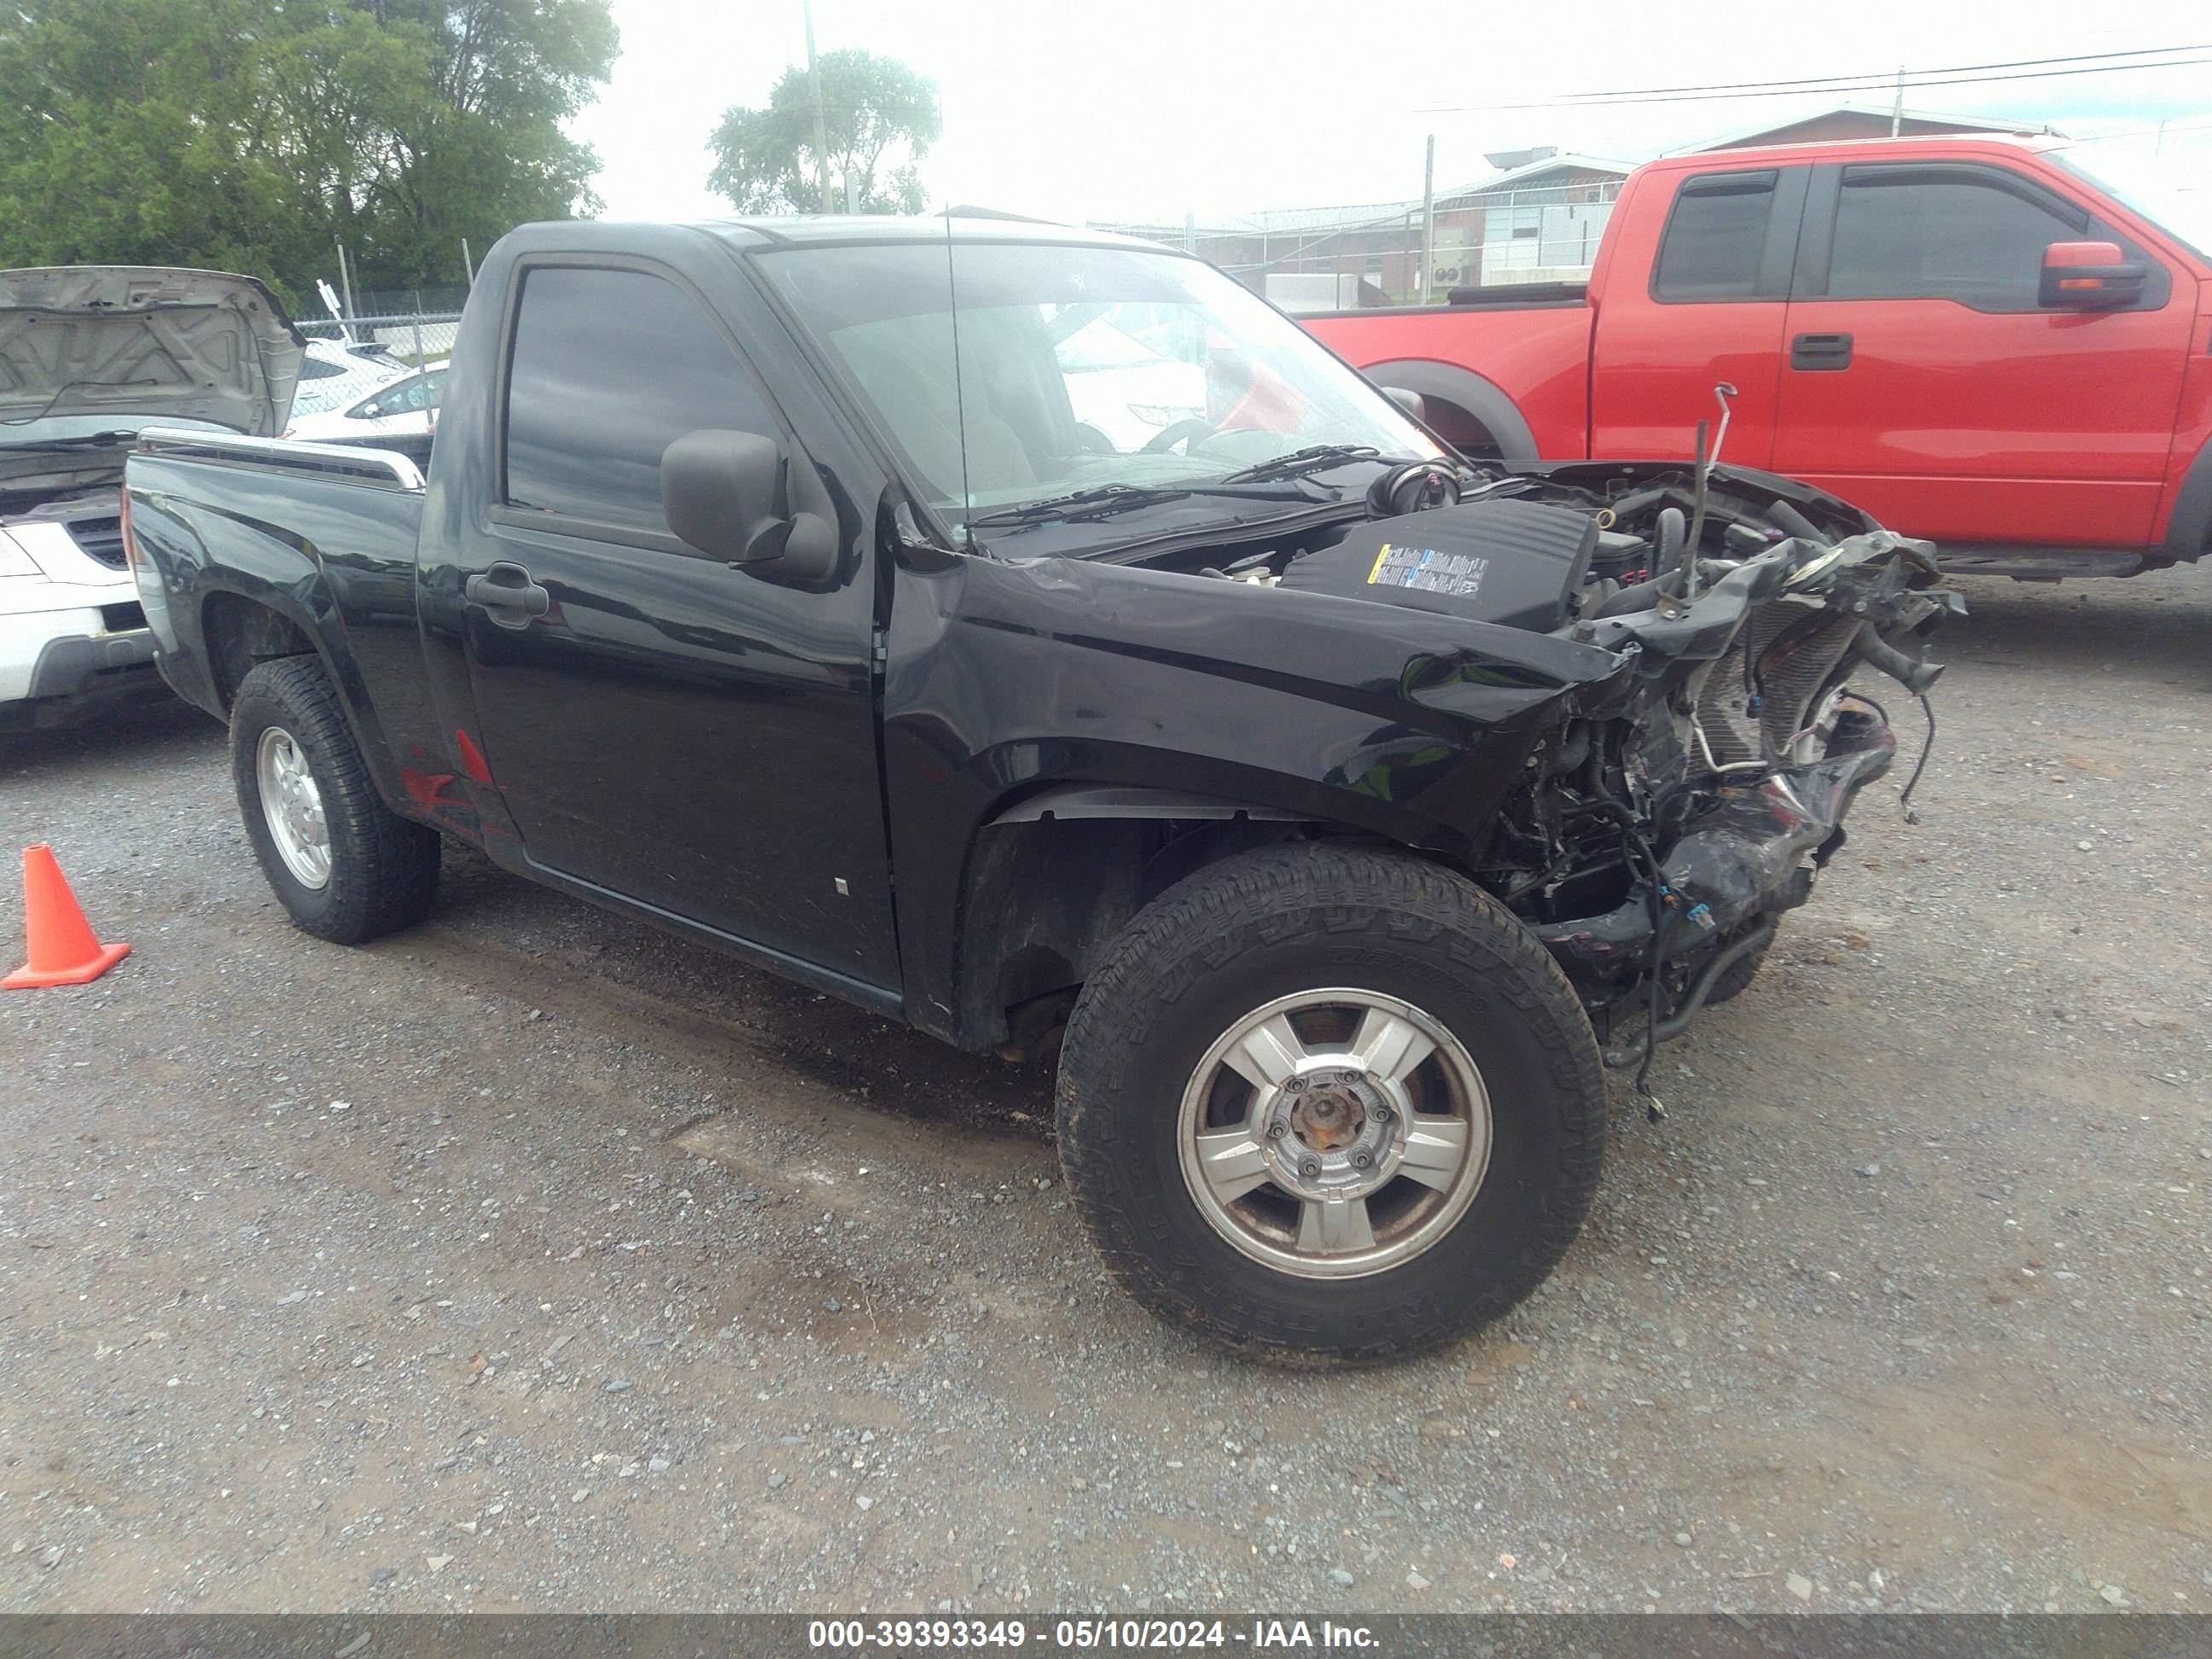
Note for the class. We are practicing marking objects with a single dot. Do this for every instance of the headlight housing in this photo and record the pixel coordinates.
(13, 562)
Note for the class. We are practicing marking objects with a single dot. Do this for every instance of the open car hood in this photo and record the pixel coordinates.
(142, 341)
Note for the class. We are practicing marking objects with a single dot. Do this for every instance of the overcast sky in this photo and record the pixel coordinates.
(1147, 109)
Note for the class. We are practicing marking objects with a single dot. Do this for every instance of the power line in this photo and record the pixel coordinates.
(1886, 83)
(2166, 127)
(1821, 81)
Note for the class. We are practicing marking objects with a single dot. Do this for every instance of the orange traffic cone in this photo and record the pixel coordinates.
(64, 949)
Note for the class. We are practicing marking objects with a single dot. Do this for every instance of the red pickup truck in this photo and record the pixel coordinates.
(1973, 339)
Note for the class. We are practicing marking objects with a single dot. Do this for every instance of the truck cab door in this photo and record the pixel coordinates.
(1711, 308)
(1925, 381)
(663, 727)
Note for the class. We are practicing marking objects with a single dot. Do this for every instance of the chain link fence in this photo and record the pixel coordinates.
(1491, 238)
(417, 336)
(415, 324)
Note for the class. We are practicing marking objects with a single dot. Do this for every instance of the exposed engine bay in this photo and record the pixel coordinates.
(1667, 821)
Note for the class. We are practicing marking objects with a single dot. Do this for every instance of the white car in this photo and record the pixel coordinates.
(338, 372)
(142, 347)
(406, 407)
(1123, 389)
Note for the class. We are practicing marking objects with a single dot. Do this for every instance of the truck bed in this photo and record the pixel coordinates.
(1506, 296)
(1509, 379)
(322, 534)
(399, 463)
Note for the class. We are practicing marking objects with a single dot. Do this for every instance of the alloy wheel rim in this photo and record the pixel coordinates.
(1334, 1132)
(292, 807)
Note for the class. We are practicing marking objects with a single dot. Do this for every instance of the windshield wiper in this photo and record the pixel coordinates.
(1105, 500)
(1299, 462)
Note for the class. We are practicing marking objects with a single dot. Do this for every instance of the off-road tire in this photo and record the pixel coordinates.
(1271, 923)
(384, 869)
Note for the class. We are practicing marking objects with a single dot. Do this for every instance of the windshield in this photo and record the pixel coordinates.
(322, 396)
(1079, 369)
(334, 374)
(2178, 203)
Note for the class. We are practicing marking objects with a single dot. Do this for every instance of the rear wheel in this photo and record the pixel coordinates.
(345, 866)
(1462, 431)
(1328, 1102)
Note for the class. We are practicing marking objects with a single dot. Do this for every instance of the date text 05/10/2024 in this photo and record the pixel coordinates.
(1085, 1635)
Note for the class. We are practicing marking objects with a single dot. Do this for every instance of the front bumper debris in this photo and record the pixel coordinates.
(1733, 869)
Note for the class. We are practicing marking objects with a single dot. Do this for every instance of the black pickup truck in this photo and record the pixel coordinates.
(1033, 636)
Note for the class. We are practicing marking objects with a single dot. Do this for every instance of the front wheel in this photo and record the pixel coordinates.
(1321, 1101)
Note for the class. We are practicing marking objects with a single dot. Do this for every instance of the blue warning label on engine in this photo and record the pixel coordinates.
(1424, 567)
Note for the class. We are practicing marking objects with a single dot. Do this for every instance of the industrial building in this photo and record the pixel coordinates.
(1537, 219)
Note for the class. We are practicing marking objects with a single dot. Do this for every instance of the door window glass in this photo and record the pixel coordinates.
(404, 398)
(1715, 236)
(1940, 236)
(610, 367)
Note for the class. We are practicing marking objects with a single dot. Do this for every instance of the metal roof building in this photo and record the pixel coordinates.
(1529, 222)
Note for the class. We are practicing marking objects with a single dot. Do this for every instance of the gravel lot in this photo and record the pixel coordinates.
(534, 1261)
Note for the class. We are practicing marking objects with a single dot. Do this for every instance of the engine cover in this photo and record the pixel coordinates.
(1514, 563)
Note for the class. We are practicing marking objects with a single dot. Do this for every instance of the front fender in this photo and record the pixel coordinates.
(1004, 680)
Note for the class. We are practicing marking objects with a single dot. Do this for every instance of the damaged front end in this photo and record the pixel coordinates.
(1665, 827)
(1716, 897)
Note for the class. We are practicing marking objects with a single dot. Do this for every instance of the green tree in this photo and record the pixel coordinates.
(253, 134)
(486, 151)
(879, 119)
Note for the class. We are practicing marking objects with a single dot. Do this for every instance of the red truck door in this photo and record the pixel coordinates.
(1923, 381)
(1711, 306)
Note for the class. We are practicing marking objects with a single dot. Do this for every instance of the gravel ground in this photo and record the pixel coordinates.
(534, 1260)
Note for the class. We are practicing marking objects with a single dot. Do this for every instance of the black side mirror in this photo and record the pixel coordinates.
(737, 496)
(2089, 276)
(1412, 402)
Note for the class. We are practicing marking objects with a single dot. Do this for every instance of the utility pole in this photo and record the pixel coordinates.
(821, 127)
(467, 263)
(1428, 224)
(345, 283)
(1897, 109)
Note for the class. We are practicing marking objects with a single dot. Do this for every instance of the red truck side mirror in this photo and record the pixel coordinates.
(2089, 276)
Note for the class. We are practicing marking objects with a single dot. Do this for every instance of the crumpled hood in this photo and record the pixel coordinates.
(141, 341)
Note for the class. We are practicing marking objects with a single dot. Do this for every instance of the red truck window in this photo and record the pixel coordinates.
(1721, 239)
(1971, 234)
(1912, 234)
